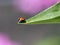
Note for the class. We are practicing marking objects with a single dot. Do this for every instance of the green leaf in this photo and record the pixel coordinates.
(48, 16)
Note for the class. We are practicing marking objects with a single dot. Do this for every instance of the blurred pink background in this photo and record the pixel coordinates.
(5, 40)
(32, 6)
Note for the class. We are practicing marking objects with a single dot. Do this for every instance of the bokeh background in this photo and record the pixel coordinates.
(27, 34)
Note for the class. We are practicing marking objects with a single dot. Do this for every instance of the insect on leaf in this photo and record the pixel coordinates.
(48, 16)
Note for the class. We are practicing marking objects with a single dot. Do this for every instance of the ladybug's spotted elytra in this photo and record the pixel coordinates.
(21, 20)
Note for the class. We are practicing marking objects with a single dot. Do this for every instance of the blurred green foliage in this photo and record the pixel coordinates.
(53, 40)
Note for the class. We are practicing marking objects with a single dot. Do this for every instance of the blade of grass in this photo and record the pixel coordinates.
(50, 21)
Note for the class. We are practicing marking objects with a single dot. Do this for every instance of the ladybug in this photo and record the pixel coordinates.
(21, 20)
